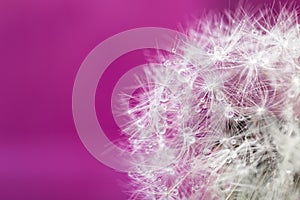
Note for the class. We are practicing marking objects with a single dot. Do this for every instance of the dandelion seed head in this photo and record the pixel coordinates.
(220, 120)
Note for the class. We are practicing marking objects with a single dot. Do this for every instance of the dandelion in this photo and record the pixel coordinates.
(221, 120)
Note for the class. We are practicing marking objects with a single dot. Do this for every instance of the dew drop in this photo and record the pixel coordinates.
(141, 124)
(164, 98)
(254, 32)
(229, 112)
(195, 187)
(161, 129)
(212, 165)
(220, 96)
(167, 63)
(188, 136)
(182, 62)
(149, 175)
(233, 141)
(241, 118)
(198, 109)
(233, 155)
(191, 140)
(209, 52)
(131, 174)
(206, 151)
(175, 192)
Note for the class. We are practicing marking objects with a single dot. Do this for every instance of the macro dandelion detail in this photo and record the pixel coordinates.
(219, 119)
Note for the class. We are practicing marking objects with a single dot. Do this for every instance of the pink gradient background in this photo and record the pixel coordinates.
(42, 44)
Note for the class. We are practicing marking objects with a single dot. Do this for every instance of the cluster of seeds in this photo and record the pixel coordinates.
(219, 119)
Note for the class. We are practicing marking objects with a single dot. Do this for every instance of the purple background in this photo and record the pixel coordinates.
(42, 44)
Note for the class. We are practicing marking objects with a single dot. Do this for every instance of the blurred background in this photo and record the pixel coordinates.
(42, 45)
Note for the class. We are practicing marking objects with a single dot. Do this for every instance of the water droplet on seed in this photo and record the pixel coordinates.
(233, 155)
(206, 151)
(167, 63)
(233, 141)
(229, 112)
(175, 192)
(220, 96)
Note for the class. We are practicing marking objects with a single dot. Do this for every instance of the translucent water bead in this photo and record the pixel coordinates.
(229, 112)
